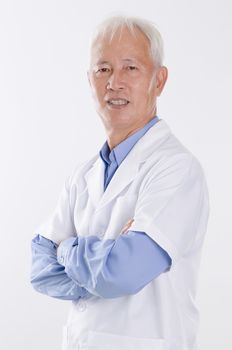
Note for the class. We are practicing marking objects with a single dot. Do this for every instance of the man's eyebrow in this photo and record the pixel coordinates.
(102, 62)
(124, 59)
(129, 59)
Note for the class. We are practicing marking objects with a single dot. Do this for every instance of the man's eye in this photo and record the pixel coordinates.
(132, 67)
(103, 70)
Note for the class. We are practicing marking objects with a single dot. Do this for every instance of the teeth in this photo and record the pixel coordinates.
(118, 102)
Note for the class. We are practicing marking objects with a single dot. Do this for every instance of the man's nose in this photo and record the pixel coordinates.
(115, 81)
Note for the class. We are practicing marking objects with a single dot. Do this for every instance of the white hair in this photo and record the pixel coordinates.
(111, 24)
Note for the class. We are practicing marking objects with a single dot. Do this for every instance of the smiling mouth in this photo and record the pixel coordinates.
(118, 102)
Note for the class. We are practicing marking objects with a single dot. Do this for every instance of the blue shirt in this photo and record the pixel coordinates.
(114, 158)
(108, 268)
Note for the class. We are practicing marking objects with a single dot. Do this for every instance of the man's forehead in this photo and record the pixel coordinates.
(123, 46)
(125, 54)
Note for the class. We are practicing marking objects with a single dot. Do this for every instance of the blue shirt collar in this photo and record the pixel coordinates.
(120, 152)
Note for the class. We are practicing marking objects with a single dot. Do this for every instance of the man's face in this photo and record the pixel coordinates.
(124, 80)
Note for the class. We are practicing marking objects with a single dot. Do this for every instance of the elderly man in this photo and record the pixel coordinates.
(125, 239)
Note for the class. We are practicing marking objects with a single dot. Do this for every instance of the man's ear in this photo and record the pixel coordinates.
(161, 78)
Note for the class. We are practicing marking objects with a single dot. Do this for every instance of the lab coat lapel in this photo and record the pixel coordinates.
(95, 181)
(123, 176)
(138, 156)
(127, 170)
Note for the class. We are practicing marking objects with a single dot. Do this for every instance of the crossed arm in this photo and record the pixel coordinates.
(85, 266)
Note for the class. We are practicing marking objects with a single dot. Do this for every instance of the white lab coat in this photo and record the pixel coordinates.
(162, 186)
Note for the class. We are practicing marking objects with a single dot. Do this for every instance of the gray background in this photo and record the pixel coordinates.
(48, 125)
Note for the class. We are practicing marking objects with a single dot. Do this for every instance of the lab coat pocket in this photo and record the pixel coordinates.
(109, 341)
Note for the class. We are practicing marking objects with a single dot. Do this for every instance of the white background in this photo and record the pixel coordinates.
(48, 125)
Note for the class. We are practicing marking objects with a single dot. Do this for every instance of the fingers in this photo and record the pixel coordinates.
(127, 226)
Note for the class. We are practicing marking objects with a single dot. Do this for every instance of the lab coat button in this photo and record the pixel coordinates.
(81, 306)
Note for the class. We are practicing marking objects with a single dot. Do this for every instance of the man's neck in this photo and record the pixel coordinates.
(116, 136)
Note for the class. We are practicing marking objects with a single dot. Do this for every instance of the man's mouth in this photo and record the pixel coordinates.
(118, 102)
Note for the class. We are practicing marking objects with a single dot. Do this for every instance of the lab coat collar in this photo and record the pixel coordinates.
(128, 168)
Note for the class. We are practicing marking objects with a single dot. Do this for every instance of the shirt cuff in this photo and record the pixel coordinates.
(63, 249)
(45, 242)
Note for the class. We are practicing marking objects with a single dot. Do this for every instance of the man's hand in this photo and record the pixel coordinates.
(127, 226)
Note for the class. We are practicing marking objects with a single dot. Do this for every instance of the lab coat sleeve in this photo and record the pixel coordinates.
(48, 276)
(173, 207)
(113, 268)
(59, 226)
